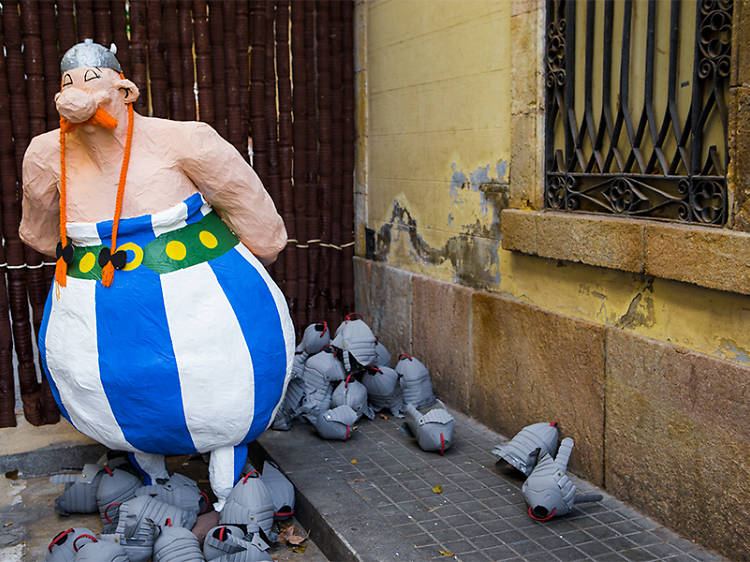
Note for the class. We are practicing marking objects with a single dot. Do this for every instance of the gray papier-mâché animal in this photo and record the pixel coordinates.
(336, 423)
(79, 495)
(321, 370)
(548, 490)
(281, 490)
(96, 550)
(250, 504)
(383, 390)
(138, 523)
(178, 490)
(115, 488)
(522, 452)
(81, 488)
(314, 339)
(357, 343)
(176, 544)
(433, 430)
(352, 393)
(228, 543)
(415, 382)
(61, 548)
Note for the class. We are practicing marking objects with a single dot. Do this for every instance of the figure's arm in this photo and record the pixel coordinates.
(40, 222)
(234, 190)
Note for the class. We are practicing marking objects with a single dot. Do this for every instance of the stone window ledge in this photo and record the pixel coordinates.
(709, 257)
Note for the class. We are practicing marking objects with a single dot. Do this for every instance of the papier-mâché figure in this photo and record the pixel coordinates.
(163, 333)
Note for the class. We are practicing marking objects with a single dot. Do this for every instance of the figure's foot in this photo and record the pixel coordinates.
(152, 467)
(224, 470)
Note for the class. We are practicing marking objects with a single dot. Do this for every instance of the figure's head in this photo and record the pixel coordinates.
(93, 86)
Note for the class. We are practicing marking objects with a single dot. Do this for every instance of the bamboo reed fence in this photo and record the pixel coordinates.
(274, 77)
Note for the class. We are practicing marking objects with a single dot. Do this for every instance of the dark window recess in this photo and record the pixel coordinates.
(647, 136)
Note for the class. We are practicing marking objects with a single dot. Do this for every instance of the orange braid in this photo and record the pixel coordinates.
(108, 272)
(61, 268)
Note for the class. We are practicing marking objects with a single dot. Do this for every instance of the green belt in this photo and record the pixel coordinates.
(195, 243)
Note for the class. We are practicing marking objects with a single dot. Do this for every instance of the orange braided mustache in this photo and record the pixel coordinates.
(101, 119)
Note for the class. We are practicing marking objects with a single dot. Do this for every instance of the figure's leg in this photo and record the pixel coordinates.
(224, 469)
(152, 466)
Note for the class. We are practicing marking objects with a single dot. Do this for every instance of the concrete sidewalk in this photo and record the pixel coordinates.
(374, 498)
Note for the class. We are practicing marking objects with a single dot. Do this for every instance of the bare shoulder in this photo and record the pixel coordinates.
(182, 137)
(168, 126)
(44, 148)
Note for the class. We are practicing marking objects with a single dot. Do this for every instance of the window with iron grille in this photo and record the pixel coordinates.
(636, 108)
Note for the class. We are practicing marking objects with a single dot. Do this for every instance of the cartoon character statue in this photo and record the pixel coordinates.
(163, 333)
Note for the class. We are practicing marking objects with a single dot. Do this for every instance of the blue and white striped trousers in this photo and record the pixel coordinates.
(168, 363)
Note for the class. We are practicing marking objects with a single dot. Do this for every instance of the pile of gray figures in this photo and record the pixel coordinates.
(156, 521)
(337, 380)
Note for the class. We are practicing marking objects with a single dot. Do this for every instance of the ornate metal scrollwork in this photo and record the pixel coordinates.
(714, 38)
(556, 53)
(708, 201)
(557, 187)
(632, 161)
(623, 196)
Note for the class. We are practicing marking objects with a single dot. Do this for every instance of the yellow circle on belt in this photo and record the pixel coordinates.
(176, 250)
(138, 255)
(87, 262)
(208, 239)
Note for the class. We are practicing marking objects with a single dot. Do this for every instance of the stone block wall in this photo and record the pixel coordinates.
(655, 424)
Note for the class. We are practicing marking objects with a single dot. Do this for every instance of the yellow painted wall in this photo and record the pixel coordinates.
(434, 124)
(438, 105)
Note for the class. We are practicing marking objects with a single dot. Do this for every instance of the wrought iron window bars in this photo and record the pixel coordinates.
(645, 168)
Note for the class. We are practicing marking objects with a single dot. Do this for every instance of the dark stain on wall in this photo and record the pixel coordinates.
(472, 253)
(640, 310)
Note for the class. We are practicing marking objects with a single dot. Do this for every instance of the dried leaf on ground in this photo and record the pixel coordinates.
(446, 553)
(383, 416)
(437, 489)
(290, 536)
(299, 549)
(360, 480)
(353, 461)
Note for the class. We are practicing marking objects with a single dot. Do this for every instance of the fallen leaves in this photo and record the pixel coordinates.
(360, 480)
(299, 549)
(291, 536)
(353, 461)
(446, 552)
(437, 489)
(383, 416)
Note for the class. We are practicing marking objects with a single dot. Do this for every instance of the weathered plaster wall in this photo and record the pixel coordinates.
(450, 119)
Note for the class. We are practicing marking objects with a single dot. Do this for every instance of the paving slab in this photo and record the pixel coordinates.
(376, 495)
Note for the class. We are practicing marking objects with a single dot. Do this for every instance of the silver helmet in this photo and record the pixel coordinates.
(89, 53)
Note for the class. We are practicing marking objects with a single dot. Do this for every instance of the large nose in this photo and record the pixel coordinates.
(75, 105)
